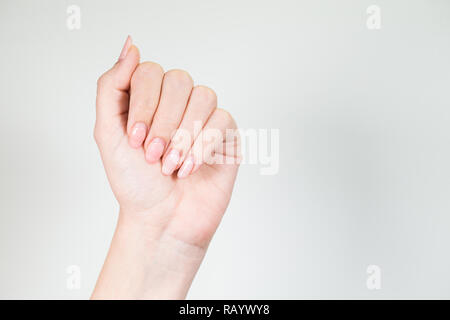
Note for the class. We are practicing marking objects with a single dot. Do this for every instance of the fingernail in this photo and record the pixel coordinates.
(138, 134)
(170, 162)
(155, 150)
(125, 48)
(186, 168)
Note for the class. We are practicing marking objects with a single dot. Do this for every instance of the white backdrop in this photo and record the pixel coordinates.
(364, 157)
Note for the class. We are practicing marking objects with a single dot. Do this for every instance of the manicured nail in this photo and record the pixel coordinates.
(186, 168)
(125, 48)
(138, 134)
(170, 162)
(155, 150)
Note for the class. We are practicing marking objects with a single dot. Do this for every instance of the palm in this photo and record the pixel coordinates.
(132, 94)
(196, 203)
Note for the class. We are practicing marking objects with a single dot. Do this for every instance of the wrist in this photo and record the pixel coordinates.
(146, 262)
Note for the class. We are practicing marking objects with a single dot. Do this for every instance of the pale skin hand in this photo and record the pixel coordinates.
(171, 200)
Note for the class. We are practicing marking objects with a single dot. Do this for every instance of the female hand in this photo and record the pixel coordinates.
(171, 157)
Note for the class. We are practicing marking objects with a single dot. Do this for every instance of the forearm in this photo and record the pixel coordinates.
(145, 262)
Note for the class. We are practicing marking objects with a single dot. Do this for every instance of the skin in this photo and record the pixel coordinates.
(172, 193)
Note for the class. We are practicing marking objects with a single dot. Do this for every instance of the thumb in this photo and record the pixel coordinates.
(113, 86)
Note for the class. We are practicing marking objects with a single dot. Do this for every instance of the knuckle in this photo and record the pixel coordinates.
(149, 68)
(106, 80)
(102, 80)
(178, 78)
(226, 117)
(205, 95)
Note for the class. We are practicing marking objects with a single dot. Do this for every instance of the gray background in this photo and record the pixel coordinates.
(364, 142)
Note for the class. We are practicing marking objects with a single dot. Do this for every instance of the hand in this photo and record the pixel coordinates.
(171, 157)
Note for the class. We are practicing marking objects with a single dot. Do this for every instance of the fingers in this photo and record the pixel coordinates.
(176, 88)
(202, 103)
(144, 97)
(216, 144)
(112, 86)
(165, 113)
